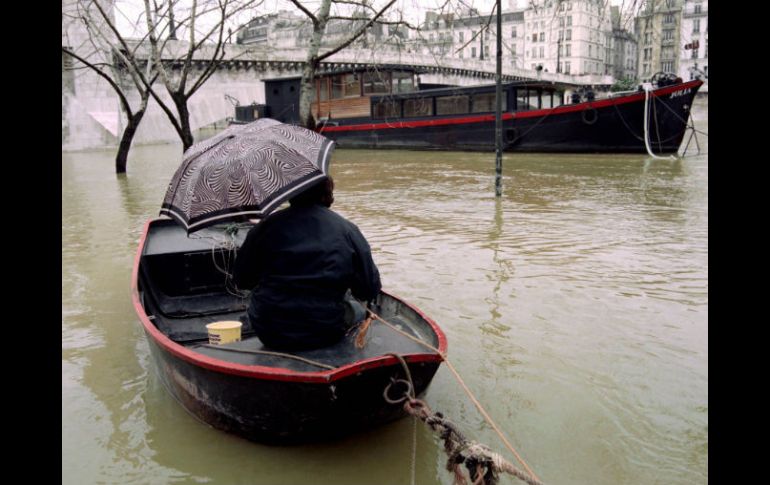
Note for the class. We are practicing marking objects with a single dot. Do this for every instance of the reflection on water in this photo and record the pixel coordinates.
(576, 306)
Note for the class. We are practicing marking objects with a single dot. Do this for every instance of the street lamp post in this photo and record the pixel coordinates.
(558, 56)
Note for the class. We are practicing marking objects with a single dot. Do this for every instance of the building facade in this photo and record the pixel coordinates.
(289, 30)
(561, 36)
(694, 35)
(658, 28)
(624, 48)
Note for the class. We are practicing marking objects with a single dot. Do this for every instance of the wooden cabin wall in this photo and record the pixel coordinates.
(342, 108)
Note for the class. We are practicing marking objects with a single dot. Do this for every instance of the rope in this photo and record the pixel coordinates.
(647, 130)
(362, 331)
(484, 466)
(266, 352)
(475, 401)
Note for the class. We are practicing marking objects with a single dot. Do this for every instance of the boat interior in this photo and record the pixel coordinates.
(183, 286)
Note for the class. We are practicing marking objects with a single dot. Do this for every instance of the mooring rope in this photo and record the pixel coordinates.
(464, 386)
(274, 354)
(646, 126)
(484, 465)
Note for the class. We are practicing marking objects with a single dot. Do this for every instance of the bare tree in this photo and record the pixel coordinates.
(106, 53)
(206, 48)
(314, 56)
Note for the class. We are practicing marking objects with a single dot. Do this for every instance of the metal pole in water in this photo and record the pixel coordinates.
(498, 108)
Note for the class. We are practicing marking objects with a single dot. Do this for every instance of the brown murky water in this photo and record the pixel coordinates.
(576, 307)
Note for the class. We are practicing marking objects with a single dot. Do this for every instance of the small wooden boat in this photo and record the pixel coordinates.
(245, 389)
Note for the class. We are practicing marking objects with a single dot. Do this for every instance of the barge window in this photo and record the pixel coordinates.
(403, 82)
(337, 84)
(418, 107)
(376, 82)
(387, 108)
(352, 85)
(547, 100)
(534, 99)
(450, 105)
(322, 90)
(346, 86)
(522, 100)
(486, 102)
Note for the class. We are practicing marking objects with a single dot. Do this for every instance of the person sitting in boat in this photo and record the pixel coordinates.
(303, 263)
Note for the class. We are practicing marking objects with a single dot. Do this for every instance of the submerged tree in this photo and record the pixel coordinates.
(206, 48)
(105, 52)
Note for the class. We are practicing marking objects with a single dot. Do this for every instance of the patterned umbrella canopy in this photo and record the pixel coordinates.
(245, 172)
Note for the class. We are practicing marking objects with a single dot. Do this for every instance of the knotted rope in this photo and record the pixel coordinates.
(503, 465)
(484, 465)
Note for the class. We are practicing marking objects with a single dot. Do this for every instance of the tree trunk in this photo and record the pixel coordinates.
(306, 90)
(184, 121)
(308, 72)
(121, 160)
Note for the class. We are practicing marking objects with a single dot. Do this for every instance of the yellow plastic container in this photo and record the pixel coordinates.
(224, 332)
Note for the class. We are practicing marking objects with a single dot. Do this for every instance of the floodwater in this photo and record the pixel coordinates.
(576, 308)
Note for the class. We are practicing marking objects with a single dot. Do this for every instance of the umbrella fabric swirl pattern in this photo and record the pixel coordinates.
(245, 172)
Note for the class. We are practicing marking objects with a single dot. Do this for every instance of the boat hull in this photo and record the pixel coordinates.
(614, 125)
(256, 393)
(284, 411)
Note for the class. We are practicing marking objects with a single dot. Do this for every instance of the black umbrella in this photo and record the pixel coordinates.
(245, 172)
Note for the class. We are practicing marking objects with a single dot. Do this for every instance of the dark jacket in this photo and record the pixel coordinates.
(299, 262)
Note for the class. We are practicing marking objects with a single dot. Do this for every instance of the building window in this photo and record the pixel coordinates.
(513, 32)
(569, 5)
(486, 51)
(568, 50)
(668, 34)
(707, 48)
(542, 54)
(590, 50)
(696, 26)
(561, 21)
(695, 53)
(566, 68)
(462, 36)
(668, 18)
(697, 9)
(473, 52)
(667, 66)
(534, 37)
(569, 34)
(561, 35)
(569, 21)
(542, 36)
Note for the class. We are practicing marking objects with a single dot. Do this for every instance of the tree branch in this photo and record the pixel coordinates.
(355, 35)
(307, 12)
